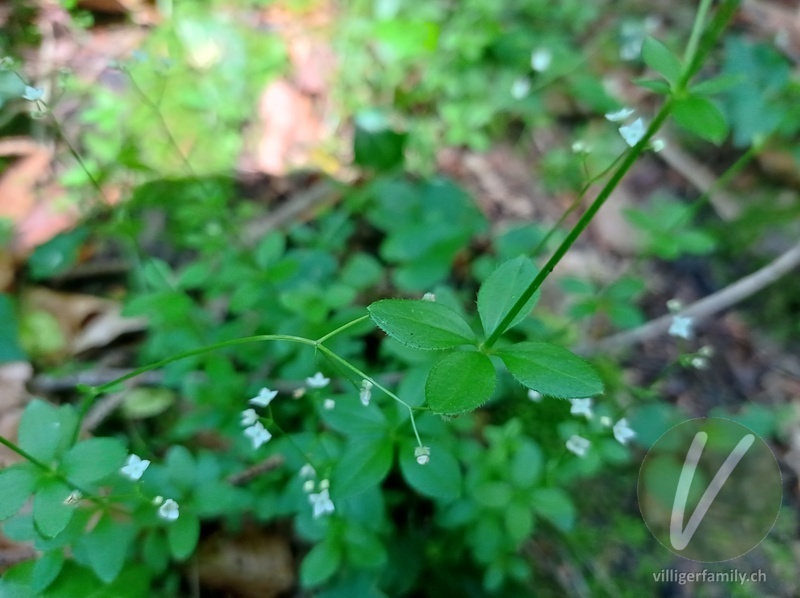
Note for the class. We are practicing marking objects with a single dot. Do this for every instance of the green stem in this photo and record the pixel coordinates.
(697, 31)
(342, 328)
(25, 455)
(695, 60)
(586, 218)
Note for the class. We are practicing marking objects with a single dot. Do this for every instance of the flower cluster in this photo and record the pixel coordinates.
(580, 445)
(633, 131)
(133, 469)
(321, 502)
(253, 428)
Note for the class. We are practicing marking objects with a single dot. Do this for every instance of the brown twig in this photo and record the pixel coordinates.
(730, 295)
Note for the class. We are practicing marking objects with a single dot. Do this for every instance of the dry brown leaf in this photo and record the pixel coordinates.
(254, 564)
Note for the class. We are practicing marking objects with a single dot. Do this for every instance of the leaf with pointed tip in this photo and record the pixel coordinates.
(421, 324)
(502, 289)
(551, 370)
(661, 59)
(460, 381)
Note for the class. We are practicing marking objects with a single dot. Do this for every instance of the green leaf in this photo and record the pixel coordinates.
(716, 85)
(50, 514)
(551, 370)
(320, 563)
(654, 85)
(10, 349)
(502, 289)
(556, 506)
(439, 478)
(365, 463)
(147, 401)
(45, 430)
(93, 459)
(351, 418)
(460, 381)
(18, 483)
(46, 570)
(659, 58)
(421, 324)
(701, 117)
(57, 255)
(183, 535)
(155, 551)
(107, 545)
(376, 145)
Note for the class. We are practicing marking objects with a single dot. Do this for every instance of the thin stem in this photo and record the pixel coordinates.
(342, 328)
(25, 455)
(605, 193)
(697, 31)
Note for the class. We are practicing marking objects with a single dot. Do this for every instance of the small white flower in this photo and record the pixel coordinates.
(32, 94)
(623, 432)
(605, 421)
(258, 434)
(366, 392)
(581, 147)
(699, 363)
(264, 397)
(658, 144)
(423, 455)
(681, 326)
(578, 445)
(134, 467)
(249, 417)
(619, 115)
(307, 471)
(706, 351)
(674, 305)
(633, 132)
(158, 500)
(317, 381)
(322, 503)
(541, 59)
(630, 50)
(535, 396)
(308, 486)
(429, 297)
(582, 407)
(169, 510)
(74, 498)
(324, 484)
(328, 404)
(520, 88)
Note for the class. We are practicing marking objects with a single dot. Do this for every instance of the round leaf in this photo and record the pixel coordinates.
(460, 381)
(17, 483)
(551, 370)
(502, 289)
(93, 459)
(50, 513)
(183, 534)
(44, 429)
(107, 547)
(439, 478)
(421, 324)
(319, 564)
(365, 463)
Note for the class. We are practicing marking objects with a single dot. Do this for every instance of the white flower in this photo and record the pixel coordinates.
(307, 471)
(706, 351)
(324, 484)
(322, 503)
(328, 404)
(169, 510)
(581, 147)
(623, 432)
(658, 144)
(423, 455)
(32, 94)
(134, 467)
(366, 392)
(74, 498)
(258, 434)
(699, 363)
(308, 486)
(520, 88)
(578, 445)
(605, 421)
(674, 305)
(541, 59)
(633, 132)
(619, 115)
(249, 417)
(317, 381)
(681, 326)
(264, 398)
(429, 297)
(582, 407)
(158, 500)
(535, 396)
